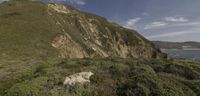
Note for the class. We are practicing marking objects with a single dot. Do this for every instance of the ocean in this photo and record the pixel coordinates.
(183, 54)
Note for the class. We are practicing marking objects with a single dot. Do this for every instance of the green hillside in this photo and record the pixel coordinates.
(25, 30)
(41, 44)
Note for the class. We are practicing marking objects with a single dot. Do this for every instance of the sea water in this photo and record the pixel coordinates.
(183, 54)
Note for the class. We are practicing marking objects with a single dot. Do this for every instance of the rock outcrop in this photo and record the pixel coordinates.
(78, 78)
(86, 35)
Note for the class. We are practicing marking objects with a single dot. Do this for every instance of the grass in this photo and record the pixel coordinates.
(24, 27)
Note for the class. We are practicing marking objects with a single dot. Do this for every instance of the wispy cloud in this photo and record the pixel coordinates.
(170, 22)
(176, 19)
(131, 23)
(78, 2)
(156, 24)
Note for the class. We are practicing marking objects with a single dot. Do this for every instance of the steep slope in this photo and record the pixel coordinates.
(41, 30)
(34, 35)
(93, 36)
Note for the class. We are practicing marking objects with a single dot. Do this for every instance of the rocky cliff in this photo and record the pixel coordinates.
(40, 29)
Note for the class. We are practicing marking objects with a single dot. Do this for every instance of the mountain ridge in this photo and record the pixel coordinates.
(176, 45)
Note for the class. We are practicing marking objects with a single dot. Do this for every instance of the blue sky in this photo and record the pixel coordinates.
(166, 20)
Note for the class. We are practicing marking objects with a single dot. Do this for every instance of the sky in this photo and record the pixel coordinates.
(163, 20)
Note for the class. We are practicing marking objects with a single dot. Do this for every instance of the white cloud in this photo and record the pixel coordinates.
(78, 2)
(132, 22)
(176, 19)
(170, 22)
(157, 24)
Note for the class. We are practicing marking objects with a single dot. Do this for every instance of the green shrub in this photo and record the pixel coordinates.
(29, 88)
(78, 91)
(96, 78)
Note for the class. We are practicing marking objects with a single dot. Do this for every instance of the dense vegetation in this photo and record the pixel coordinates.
(113, 77)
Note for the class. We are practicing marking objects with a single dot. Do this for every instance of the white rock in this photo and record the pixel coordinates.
(81, 78)
(59, 8)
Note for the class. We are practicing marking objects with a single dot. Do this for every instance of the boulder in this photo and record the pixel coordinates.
(78, 78)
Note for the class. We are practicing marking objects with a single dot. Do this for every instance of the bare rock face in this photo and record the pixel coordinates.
(59, 8)
(68, 48)
(78, 78)
(85, 35)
